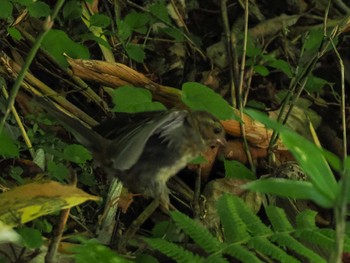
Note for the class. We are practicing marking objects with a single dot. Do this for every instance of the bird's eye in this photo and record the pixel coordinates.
(217, 130)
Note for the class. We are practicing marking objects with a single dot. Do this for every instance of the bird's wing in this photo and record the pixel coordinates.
(125, 150)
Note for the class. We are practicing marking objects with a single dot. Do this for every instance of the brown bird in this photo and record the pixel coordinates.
(145, 149)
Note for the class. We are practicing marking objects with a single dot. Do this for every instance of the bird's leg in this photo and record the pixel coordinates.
(135, 225)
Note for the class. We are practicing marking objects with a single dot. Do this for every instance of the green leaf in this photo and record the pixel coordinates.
(278, 219)
(133, 99)
(200, 97)
(124, 30)
(290, 188)
(93, 252)
(137, 21)
(306, 219)
(160, 11)
(99, 20)
(197, 232)
(39, 9)
(31, 237)
(281, 65)
(229, 216)
(309, 156)
(235, 169)
(6, 9)
(16, 173)
(176, 34)
(8, 147)
(313, 40)
(315, 84)
(135, 52)
(58, 171)
(56, 42)
(76, 153)
(72, 10)
(252, 49)
(175, 252)
(14, 33)
(261, 70)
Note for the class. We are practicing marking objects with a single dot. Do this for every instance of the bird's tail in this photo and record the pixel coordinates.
(89, 138)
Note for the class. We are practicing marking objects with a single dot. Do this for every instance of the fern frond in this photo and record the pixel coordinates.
(285, 240)
(331, 234)
(278, 219)
(241, 253)
(173, 251)
(216, 258)
(233, 226)
(306, 219)
(254, 224)
(269, 249)
(315, 237)
(197, 232)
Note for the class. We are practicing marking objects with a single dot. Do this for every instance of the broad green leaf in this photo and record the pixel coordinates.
(281, 65)
(31, 237)
(6, 9)
(72, 9)
(39, 9)
(133, 99)
(252, 49)
(313, 40)
(124, 30)
(235, 169)
(290, 188)
(14, 33)
(261, 70)
(27, 202)
(309, 156)
(160, 11)
(8, 147)
(58, 171)
(315, 84)
(137, 21)
(174, 33)
(93, 252)
(99, 20)
(57, 43)
(135, 52)
(76, 153)
(200, 97)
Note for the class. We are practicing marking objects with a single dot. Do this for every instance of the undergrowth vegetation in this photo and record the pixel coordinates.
(273, 74)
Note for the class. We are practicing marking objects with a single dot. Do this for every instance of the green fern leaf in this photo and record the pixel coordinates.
(254, 224)
(306, 219)
(331, 234)
(197, 232)
(269, 249)
(173, 251)
(278, 219)
(216, 258)
(233, 226)
(315, 237)
(285, 240)
(241, 253)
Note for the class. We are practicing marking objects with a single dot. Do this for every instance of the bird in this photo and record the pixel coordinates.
(144, 150)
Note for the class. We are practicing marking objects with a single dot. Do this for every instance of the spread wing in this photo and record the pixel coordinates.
(128, 144)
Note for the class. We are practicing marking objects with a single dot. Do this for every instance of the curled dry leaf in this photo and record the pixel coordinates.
(27, 202)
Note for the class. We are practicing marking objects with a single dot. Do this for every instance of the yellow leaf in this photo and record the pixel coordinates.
(27, 202)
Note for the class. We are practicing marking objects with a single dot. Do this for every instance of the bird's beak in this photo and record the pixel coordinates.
(221, 141)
